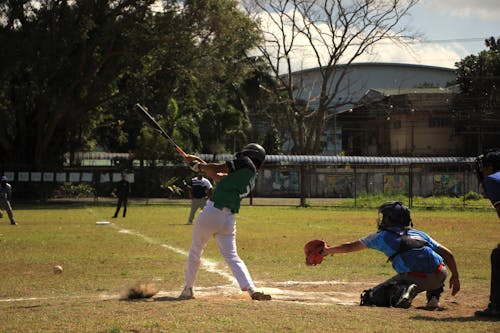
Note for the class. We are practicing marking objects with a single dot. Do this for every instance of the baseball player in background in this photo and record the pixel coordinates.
(122, 191)
(5, 197)
(200, 190)
(489, 177)
(421, 263)
(235, 179)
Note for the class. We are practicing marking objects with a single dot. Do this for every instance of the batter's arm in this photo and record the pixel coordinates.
(216, 171)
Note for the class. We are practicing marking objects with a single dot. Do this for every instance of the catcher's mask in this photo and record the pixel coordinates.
(394, 214)
(255, 152)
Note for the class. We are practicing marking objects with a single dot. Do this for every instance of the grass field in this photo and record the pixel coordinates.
(150, 245)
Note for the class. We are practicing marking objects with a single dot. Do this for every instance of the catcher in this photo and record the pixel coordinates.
(421, 263)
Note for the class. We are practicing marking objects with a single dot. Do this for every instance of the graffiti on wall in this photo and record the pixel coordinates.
(395, 184)
(448, 184)
(285, 181)
(338, 185)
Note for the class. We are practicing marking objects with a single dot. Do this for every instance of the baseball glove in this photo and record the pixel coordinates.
(314, 252)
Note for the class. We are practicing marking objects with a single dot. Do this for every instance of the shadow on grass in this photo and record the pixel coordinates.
(454, 319)
(168, 299)
(152, 299)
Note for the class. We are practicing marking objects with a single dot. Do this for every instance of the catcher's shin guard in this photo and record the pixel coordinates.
(395, 294)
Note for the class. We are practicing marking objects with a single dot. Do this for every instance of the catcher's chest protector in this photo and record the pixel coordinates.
(406, 243)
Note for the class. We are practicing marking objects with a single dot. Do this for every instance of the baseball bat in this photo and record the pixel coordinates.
(154, 124)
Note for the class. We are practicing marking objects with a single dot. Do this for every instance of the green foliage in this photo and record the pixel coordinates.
(72, 70)
(71, 190)
(475, 108)
(471, 195)
(172, 189)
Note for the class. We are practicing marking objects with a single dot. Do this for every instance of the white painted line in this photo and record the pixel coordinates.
(207, 264)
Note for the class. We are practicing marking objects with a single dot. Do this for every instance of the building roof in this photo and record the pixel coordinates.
(340, 160)
(382, 64)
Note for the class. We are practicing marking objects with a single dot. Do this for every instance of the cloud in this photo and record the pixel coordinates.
(442, 55)
(431, 53)
(484, 9)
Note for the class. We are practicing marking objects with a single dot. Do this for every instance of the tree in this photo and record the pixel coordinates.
(476, 109)
(333, 33)
(60, 66)
(72, 70)
(201, 61)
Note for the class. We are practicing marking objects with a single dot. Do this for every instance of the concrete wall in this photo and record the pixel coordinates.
(351, 181)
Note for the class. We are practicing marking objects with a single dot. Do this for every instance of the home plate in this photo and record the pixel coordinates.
(103, 222)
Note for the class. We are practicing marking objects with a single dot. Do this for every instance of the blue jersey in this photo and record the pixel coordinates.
(491, 186)
(423, 259)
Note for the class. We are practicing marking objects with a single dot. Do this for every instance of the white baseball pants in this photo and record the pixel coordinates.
(220, 224)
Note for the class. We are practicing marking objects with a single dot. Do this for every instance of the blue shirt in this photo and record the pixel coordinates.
(491, 186)
(422, 260)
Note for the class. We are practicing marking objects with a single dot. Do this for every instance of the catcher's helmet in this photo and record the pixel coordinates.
(255, 152)
(394, 214)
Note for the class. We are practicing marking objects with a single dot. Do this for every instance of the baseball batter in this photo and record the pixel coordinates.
(235, 179)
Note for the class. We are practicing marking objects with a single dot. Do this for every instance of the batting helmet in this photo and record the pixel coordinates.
(394, 214)
(255, 152)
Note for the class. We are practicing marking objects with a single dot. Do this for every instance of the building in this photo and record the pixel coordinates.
(363, 83)
(403, 122)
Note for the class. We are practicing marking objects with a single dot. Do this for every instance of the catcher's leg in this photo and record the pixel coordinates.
(393, 292)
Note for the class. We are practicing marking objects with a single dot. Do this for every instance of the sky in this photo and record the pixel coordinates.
(451, 29)
(447, 30)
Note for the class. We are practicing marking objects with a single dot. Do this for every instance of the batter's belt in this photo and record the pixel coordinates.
(220, 207)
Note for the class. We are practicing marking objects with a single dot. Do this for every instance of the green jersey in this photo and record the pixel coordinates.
(238, 183)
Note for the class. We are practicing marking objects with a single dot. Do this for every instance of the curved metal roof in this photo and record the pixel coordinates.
(359, 160)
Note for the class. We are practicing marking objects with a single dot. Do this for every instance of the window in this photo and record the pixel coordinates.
(437, 122)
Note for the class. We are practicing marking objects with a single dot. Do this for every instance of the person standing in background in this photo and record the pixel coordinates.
(122, 191)
(488, 172)
(200, 190)
(5, 197)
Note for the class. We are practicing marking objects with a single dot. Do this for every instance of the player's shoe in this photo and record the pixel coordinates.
(260, 296)
(407, 294)
(432, 303)
(187, 293)
(490, 312)
(13, 223)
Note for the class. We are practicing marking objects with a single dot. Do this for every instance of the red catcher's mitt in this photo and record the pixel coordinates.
(314, 252)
